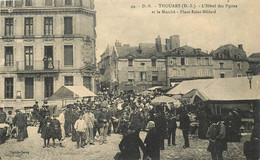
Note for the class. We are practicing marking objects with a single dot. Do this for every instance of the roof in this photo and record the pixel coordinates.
(186, 86)
(229, 51)
(143, 51)
(255, 57)
(186, 51)
(71, 92)
(229, 89)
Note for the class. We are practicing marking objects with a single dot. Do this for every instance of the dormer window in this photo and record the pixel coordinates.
(142, 64)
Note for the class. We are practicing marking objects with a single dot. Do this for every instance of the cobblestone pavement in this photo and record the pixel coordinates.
(31, 148)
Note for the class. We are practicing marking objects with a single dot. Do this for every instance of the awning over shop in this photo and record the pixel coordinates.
(186, 86)
(228, 89)
(71, 92)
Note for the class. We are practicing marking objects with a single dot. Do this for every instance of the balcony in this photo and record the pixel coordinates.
(38, 67)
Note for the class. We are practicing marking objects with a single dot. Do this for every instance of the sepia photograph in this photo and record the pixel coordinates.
(129, 79)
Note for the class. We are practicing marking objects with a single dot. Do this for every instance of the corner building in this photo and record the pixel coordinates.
(44, 45)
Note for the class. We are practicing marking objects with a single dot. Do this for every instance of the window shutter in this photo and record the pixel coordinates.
(68, 55)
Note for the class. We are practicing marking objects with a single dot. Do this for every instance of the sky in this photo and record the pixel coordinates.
(117, 21)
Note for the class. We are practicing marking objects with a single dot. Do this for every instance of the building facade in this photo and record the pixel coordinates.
(139, 67)
(254, 63)
(44, 45)
(229, 61)
(187, 63)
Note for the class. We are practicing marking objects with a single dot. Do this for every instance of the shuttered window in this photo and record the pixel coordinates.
(28, 88)
(68, 55)
(68, 25)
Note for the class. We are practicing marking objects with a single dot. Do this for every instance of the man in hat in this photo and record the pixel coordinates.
(2, 115)
(185, 127)
(80, 127)
(42, 114)
(20, 122)
(103, 121)
(90, 120)
(35, 112)
(171, 125)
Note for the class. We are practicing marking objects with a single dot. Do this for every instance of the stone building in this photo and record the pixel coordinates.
(254, 63)
(45, 44)
(229, 61)
(187, 63)
(139, 67)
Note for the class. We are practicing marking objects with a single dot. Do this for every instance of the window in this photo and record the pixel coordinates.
(68, 2)
(131, 76)
(174, 73)
(28, 26)
(28, 2)
(68, 55)
(142, 64)
(182, 72)
(207, 61)
(87, 82)
(48, 57)
(207, 72)
(68, 25)
(9, 88)
(173, 61)
(238, 65)
(48, 86)
(28, 57)
(28, 88)
(9, 57)
(182, 61)
(143, 76)
(221, 65)
(48, 2)
(154, 62)
(155, 76)
(222, 75)
(68, 81)
(198, 61)
(130, 62)
(9, 3)
(9, 27)
(199, 72)
(48, 26)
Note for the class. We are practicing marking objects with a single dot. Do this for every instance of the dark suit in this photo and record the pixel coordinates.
(21, 123)
(152, 141)
(129, 147)
(185, 127)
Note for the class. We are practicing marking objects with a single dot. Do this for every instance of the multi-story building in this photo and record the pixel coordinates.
(187, 63)
(254, 63)
(141, 66)
(229, 61)
(45, 44)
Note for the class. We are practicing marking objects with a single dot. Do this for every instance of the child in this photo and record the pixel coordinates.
(46, 133)
(9, 121)
(80, 127)
(56, 130)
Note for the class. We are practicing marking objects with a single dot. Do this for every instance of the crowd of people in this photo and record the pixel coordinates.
(90, 121)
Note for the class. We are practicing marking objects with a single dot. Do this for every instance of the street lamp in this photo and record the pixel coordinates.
(249, 76)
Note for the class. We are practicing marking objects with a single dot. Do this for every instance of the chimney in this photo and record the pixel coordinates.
(158, 44)
(174, 41)
(168, 44)
(118, 44)
(240, 46)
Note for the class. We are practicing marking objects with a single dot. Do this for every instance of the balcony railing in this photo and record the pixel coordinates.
(37, 66)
